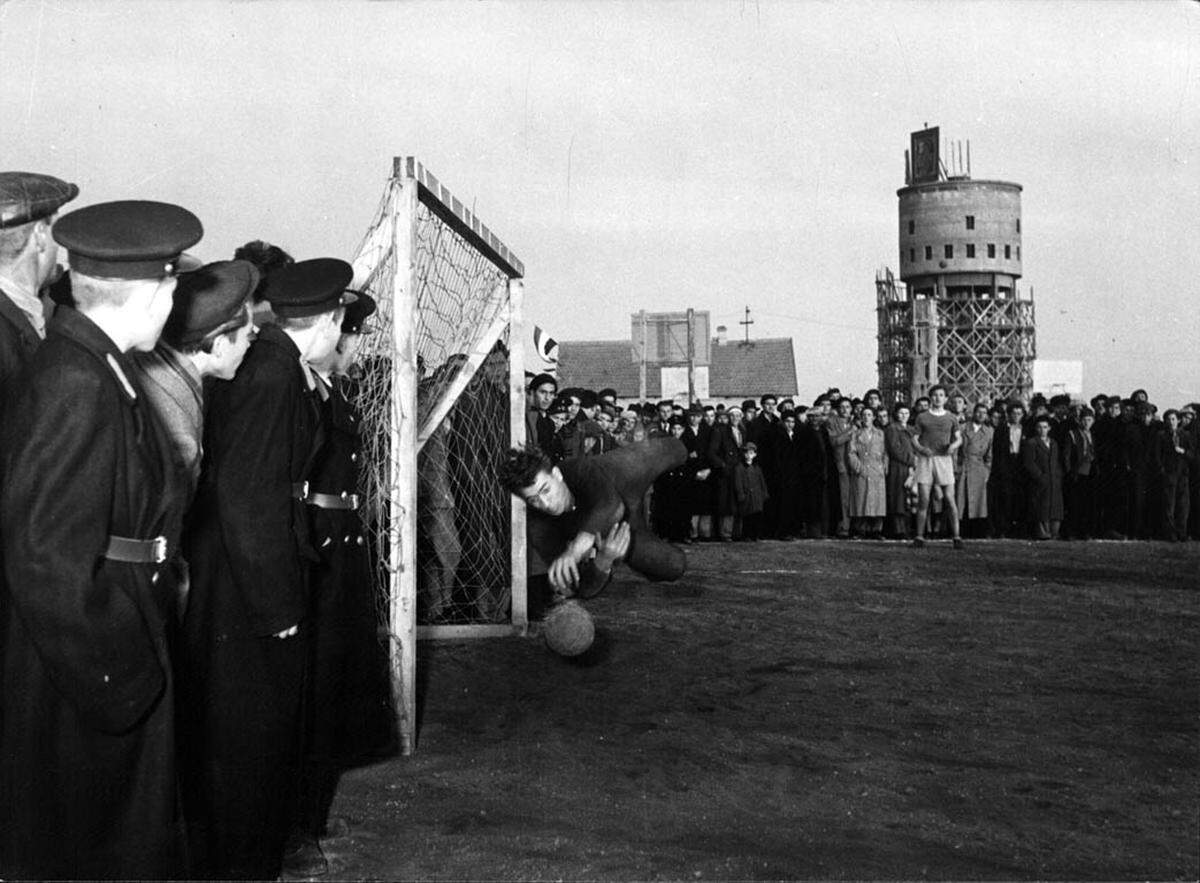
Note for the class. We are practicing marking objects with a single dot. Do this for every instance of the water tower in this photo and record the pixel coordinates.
(958, 317)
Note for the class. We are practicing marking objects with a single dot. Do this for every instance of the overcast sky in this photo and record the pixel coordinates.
(658, 155)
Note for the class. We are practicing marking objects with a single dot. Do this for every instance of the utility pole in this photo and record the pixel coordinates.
(747, 322)
(691, 355)
(642, 367)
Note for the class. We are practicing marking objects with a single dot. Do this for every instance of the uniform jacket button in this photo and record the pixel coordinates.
(360, 541)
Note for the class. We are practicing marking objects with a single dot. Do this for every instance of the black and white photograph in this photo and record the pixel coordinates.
(600, 440)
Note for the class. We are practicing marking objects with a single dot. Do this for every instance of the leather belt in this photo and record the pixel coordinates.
(137, 551)
(344, 500)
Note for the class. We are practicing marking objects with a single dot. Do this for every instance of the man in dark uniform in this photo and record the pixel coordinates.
(348, 717)
(89, 515)
(28, 204)
(251, 556)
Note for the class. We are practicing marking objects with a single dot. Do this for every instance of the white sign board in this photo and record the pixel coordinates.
(675, 385)
(1056, 377)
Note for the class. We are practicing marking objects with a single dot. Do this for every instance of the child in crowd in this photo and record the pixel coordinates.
(750, 492)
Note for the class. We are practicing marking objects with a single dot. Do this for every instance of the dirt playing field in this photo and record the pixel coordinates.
(817, 710)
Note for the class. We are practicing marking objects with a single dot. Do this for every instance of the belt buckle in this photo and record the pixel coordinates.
(159, 547)
(304, 491)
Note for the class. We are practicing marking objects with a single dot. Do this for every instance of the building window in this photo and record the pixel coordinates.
(949, 252)
(1018, 252)
(912, 255)
(1018, 225)
(991, 249)
(911, 227)
(929, 252)
(970, 222)
(1008, 252)
(970, 249)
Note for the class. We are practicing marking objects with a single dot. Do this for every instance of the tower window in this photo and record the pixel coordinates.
(949, 251)
(912, 255)
(911, 227)
(929, 252)
(970, 222)
(1008, 252)
(991, 249)
(1018, 252)
(1018, 225)
(970, 249)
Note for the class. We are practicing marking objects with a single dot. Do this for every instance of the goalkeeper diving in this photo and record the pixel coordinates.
(587, 513)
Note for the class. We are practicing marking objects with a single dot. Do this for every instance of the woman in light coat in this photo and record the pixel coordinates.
(867, 460)
(975, 465)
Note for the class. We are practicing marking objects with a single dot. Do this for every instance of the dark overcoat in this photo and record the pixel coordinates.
(750, 489)
(251, 555)
(351, 715)
(722, 457)
(1043, 468)
(18, 342)
(87, 741)
(897, 440)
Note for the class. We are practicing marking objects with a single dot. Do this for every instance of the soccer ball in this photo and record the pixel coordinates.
(569, 629)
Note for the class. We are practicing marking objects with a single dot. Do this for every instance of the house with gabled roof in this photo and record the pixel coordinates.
(738, 370)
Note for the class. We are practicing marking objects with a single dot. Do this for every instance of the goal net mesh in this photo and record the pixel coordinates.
(463, 525)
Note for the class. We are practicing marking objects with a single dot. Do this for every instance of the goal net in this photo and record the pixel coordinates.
(441, 398)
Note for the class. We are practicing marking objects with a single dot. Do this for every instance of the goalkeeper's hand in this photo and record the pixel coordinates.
(612, 548)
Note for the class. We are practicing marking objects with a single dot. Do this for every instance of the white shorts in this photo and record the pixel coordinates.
(937, 470)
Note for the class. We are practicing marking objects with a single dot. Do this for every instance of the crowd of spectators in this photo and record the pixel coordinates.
(845, 466)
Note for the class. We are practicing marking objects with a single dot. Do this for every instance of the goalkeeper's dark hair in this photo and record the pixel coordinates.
(521, 466)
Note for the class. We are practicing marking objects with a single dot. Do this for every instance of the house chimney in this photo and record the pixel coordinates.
(722, 335)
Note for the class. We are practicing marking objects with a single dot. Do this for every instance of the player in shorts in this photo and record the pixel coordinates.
(937, 439)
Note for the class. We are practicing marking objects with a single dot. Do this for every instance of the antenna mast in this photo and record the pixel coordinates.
(746, 323)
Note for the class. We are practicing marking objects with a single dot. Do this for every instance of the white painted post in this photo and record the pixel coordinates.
(517, 409)
(402, 546)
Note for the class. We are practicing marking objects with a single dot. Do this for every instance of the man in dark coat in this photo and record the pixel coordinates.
(1112, 461)
(251, 554)
(89, 514)
(1141, 444)
(1079, 466)
(1043, 468)
(789, 468)
(1007, 478)
(764, 432)
(723, 454)
(28, 204)
(348, 714)
(1176, 458)
(811, 448)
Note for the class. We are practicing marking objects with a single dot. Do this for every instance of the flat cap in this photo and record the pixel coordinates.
(307, 288)
(128, 239)
(207, 299)
(27, 196)
(357, 312)
(539, 379)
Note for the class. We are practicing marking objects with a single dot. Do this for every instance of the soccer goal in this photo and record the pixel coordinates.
(441, 397)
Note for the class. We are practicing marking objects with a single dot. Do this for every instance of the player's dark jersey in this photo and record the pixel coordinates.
(608, 489)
